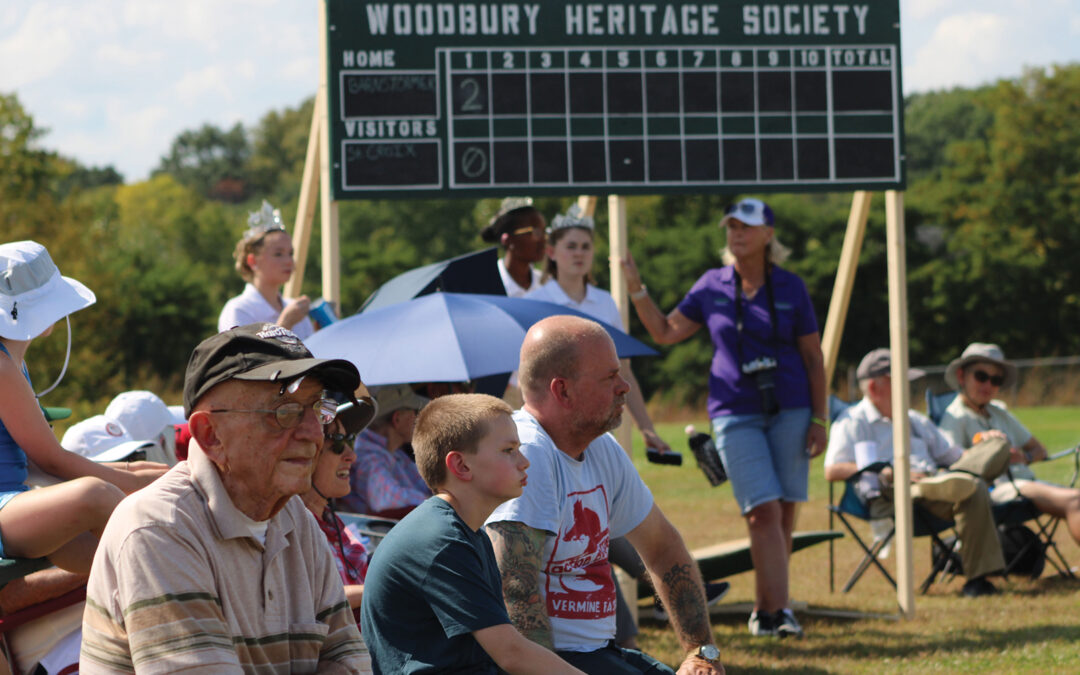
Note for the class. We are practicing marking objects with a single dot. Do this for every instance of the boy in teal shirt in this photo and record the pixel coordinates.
(433, 597)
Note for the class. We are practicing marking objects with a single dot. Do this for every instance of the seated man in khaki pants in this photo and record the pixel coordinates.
(949, 482)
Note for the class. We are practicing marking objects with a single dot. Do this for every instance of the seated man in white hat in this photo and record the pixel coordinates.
(385, 480)
(978, 375)
(947, 481)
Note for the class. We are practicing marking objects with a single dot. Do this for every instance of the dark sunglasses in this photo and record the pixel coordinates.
(338, 442)
(983, 377)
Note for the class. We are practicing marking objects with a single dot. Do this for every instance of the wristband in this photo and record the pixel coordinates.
(640, 293)
(820, 421)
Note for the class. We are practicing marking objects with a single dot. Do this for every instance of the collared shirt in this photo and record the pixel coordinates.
(179, 582)
(711, 303)
(513, 289)
(597, 303)
(960, 423)
(349, 552)
(863, 423)
(251, 307)
(382, 480)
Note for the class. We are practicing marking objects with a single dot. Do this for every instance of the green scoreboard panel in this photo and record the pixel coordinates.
(491, 98)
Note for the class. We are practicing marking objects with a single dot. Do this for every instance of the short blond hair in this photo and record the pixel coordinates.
(452, 422)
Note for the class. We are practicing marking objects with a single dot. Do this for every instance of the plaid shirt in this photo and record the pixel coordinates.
(348, 548)
(382, 480)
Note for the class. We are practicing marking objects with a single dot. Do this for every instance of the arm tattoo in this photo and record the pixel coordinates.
(518, 550)
(681, 591)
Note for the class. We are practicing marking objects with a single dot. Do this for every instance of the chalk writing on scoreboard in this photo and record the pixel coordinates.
(475, 99)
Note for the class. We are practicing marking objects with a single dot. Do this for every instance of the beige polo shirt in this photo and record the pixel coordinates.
(180, 583)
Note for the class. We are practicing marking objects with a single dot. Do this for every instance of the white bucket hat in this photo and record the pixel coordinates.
(980, 352)
(33, 295)
(101, 439)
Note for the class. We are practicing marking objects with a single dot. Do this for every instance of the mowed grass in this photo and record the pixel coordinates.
(1032, 626)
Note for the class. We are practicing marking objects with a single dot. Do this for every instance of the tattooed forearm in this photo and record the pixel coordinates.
(518, 550)
(682, 593)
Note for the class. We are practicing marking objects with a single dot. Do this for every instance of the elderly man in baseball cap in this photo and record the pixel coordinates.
(948, 482)
(217, 567)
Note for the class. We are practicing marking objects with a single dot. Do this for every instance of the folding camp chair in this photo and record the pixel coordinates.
(1020, 511)
(851, 508)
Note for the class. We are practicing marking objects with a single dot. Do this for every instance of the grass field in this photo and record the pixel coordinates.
(1032, 626)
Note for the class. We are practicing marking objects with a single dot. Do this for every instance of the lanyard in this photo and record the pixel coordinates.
(739, 318)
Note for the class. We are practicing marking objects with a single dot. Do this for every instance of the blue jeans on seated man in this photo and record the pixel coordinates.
(614, 660)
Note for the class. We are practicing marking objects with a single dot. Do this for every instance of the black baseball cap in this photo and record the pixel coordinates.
(355, 413)
(260, 352)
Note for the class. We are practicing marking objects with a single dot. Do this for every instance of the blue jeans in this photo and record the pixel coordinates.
(614, 660)
(765, 456)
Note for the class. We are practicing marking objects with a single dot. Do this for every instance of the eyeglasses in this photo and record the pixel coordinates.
(289, 414)
(983, 377)
(338, 442)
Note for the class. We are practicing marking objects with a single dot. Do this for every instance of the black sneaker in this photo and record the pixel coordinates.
(786, 624)
(714, 591)
(976, 588)
(762, 623)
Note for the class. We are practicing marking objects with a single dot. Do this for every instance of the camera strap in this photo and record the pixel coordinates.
(739, 316)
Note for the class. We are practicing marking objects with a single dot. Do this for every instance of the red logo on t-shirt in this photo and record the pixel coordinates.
(579, 584)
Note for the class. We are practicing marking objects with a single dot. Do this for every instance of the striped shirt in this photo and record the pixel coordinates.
(180, 583)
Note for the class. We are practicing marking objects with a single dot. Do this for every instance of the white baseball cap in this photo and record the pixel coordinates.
(102, 440)
(141, 412)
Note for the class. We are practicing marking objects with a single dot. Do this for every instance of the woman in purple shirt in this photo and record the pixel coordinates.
(767, 398)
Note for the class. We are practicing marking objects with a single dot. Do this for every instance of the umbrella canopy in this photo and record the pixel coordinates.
(444, 337)
(470, 273)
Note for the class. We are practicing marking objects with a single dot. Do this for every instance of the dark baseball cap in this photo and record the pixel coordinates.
(878, 363)
(355, 413)
(260, 352)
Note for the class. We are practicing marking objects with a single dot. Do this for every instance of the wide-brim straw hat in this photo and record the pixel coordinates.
(977, 352)
(33, 294)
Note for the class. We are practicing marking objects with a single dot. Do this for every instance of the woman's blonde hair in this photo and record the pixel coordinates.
(775, 252)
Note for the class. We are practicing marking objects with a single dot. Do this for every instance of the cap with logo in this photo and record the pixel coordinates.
(749, 211)
(261, 352)
(102, 440)
(141, 412)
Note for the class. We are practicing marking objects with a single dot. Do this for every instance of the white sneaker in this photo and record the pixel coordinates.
(787, 625)
(762, 623)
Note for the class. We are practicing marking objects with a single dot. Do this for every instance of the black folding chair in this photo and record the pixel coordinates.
(851, 508)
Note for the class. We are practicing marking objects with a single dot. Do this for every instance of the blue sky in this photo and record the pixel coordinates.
(115, 81)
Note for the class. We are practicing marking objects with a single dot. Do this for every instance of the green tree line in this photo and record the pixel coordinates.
(992, 208)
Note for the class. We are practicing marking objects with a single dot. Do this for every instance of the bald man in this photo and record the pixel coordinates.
(551, 543)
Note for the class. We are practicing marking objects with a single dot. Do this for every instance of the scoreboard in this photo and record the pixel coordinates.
(443, 99)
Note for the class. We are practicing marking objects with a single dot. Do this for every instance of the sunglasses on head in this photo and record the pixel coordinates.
(338, 442)
(983, 377)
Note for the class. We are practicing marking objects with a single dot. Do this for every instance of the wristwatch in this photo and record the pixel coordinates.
(709, 653)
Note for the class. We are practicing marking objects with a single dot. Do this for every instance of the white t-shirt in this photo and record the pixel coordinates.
(582, 505)
(513, 290)
(598, 303)
(251, 307)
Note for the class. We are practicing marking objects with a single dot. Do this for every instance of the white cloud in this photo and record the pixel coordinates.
(40, 46)
(207, 82)
(920, 9)
(969, 48)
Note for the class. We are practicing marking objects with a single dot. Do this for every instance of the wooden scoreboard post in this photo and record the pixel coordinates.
(485, 99)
